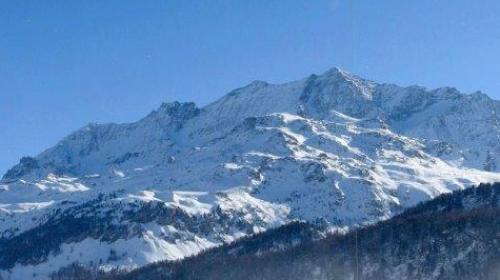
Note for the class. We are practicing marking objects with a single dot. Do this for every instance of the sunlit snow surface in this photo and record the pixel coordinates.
(331, 148)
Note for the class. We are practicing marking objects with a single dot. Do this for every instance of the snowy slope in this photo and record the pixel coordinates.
(453, 236)
(331, 148)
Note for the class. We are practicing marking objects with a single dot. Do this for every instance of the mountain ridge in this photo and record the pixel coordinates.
(336, 72)
(330, 149)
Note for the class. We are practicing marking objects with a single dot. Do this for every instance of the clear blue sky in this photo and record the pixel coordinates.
(66, 63)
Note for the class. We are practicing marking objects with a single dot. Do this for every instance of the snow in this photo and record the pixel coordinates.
(232, 166)
(130, 253)
(119, 173)
(189, 202)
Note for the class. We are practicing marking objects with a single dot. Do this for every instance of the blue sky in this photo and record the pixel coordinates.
(67, 63)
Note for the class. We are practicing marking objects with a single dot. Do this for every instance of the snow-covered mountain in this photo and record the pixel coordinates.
(453, 236)
(333, 149)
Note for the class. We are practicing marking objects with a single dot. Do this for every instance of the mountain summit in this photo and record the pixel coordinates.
(332, 149)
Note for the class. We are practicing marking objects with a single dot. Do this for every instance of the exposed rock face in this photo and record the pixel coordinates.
(331, 149)
(26, 165)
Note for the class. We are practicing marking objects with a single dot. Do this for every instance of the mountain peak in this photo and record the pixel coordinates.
(177, 111)
(258, 83)
(335, 71)
(338, 90)
(175, 106)
(341, 74)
